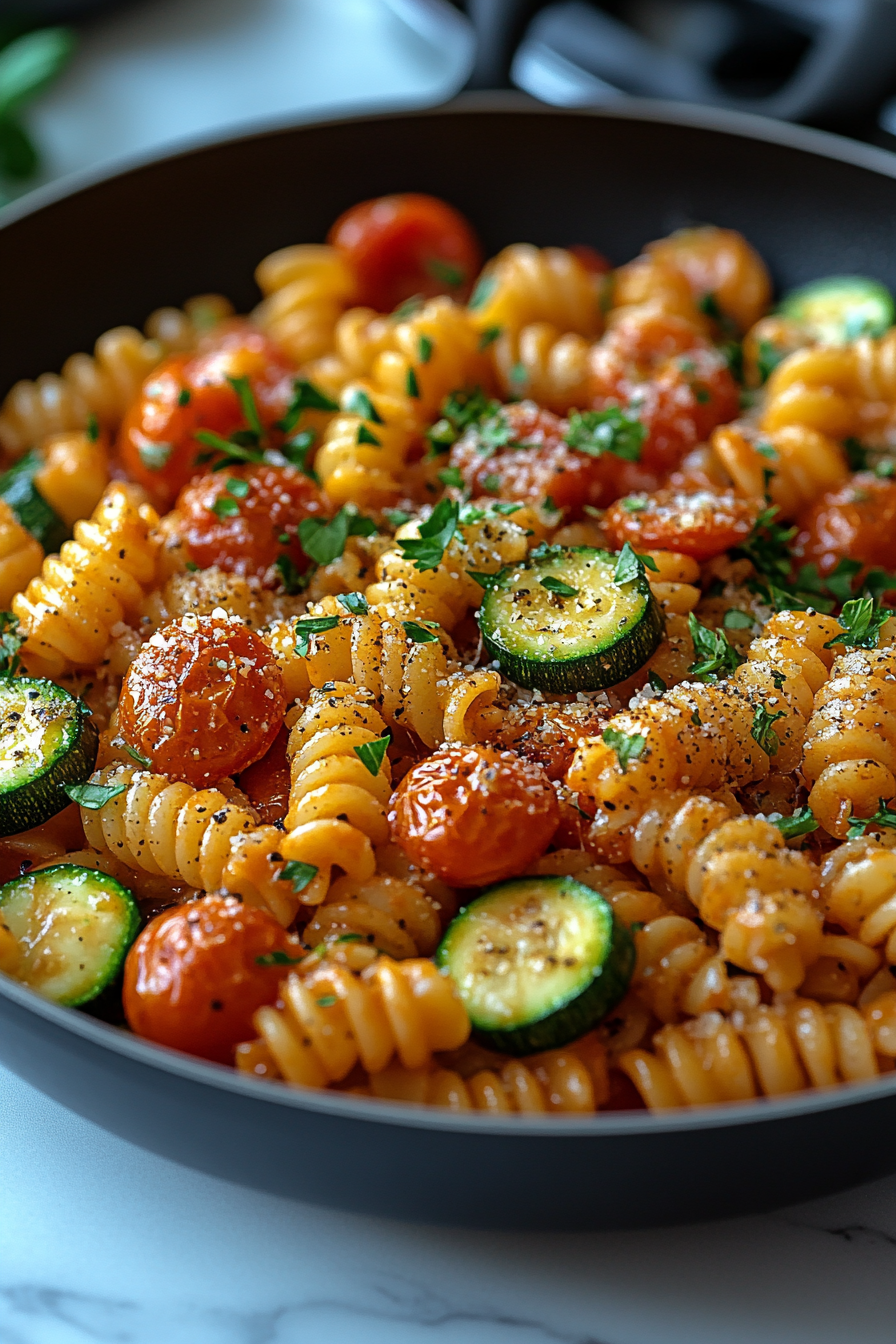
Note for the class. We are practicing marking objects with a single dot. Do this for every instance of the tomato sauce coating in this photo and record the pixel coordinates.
(856, 522)
(194, 977)
(202, 700)
(474, 815)
(700, 523)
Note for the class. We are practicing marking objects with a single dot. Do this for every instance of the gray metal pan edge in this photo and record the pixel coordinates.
(101, 249)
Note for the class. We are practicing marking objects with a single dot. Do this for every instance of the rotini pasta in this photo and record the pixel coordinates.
(526, 284)
(21, 556)
(306, 289)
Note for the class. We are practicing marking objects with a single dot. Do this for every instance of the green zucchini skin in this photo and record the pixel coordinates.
(840, 308)
(32, 771)
(562, 666)
(75, 926)
(17, 487)
(563, 1003)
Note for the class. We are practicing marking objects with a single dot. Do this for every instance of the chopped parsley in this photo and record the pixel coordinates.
(243, 388)
(183, 396)
(768, 357)
(446, 272)
(278, 959)
(312, 625)
(417, 631)
(154, 456)
(138, 756)
(372, 754)
(862, 619)
(884, 816)
(305, 397)
(411, 386)
(366, 435)
(737, 620)
(491, 483)
(92, 428)
(656, 683)
(354, 603)
(484, 580)
(633, 504)
(488, 337)
(627, 746)
(293, 582)
(10, 643)
(225, 507)
(93, 796)
(558, 586)
(324, 541)
(762, 731)
(801, 823)
(424, 349)
(631, 565)
(237, 487)
(359, 403)
(436, 533)
(451, 476)
(485, 288)
(856, 454)
(715, 656)
(610, 431)
(299, 874)
(296, 451)
(396, 518)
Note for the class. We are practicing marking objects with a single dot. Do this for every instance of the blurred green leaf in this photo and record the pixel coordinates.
(18, 154)
(30, 63)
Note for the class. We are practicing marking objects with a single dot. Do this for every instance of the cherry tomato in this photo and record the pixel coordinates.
(405, 245)
(193, 978)
(202, 700)
(858, 522)
(246, 533)
(591, 259)
(700, 524)
(474, 815)
(548, 733)
(266, 783)
(535, 465)
(157, 442)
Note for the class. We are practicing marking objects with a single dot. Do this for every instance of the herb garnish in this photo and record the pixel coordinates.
(372, 754)
(427, 550)
(631, 565)
(610, 431)
(10, 643)
(299, 874)
(627, 746)
(323, 541)
(558, 586)
(762, 732)
(93, 796)
(354, 603)
(884, 816)
(801, 823)
(416, 631)
(862, 619)
(714, 654)
(312, 625)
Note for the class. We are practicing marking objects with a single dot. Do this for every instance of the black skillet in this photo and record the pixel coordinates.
(77, 259)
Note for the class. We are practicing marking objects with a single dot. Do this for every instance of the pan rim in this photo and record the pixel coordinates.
(762, 130)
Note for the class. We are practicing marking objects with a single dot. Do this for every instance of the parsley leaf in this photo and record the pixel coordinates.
(154, 456)
(296, 451)
(451, 476)
(293, 582)
(801, 823)
(631, 565)
(415, 630)
(305, 397)
(767, 359)
(225, 507)
(10, 643)
(656, 682)
(138, 756)
(424, 349)
(92, 429)
(93, 796)
(183, 397)
(312, 625)
(445, 272)
(483, 580)
(856, 454)
(633, 503)
(558, 586)
(610, 431)
(488, 337)
(278, 959)
(299, 874)
(324, 541)
(714, 654)
(436, 533)
(762, 732)
(485, 288)
(861, 619)
(243, 388)
(366, 435)
(355, 603)
(411, 386)
(737, 620)
(372, 754)
(237, 487)
(627, 746)
(359, 403)
(884, 816)
(397, 518)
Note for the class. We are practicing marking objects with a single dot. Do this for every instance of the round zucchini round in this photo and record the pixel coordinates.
(72, 928)
(47, 740)
(840, 308)
(560, 622)
(537, 961)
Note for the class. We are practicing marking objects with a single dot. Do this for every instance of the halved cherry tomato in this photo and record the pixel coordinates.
(186, 393)
(700, 524)
(474, 815)
(857, 522)
(266, 783)
(202, 700)
(197, 973)
(548, 733)
(246, 533)
(405, 245)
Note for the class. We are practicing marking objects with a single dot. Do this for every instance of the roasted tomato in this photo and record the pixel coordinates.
(701, 524)
(857, 522)
(202, 700)
(405, 245)
(243, 520)
(677, 384)
(197, 973)
(533, 464)
(266, 783)
(474, 815)
(548, 733)
(157, 442)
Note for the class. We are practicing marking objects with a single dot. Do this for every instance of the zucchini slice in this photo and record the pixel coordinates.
(47, 740)
(73, 927)
(537, 961)
(18, 488)
(560, 622)
(840, 308)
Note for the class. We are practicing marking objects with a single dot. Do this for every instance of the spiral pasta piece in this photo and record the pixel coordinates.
(21, 556)
(794, 464)
(67, 614)
(332, 1019)
(849, 755)
(447, 592)
(721, 264)
(383, 913)
(572, 1081)
(702, 736)
(307, 287)
(769, 1051)
(73, 476)
(542, 362)
(105, 383)
(359, 461)
(818, 387)
(525, 284)
(858, 889)
(648, 282)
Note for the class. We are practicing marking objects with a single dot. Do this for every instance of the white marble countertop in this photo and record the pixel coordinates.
(101, 1243)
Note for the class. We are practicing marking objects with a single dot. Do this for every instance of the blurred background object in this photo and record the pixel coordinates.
(148, 73)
